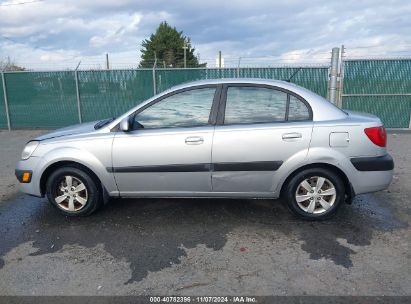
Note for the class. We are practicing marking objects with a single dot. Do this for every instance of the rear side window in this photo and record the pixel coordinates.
(254, 105)
(297, 110)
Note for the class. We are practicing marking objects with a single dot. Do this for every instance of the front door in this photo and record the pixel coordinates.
(168, 152)
(260, 129)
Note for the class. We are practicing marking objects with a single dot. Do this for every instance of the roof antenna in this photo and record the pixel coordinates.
(292, 76)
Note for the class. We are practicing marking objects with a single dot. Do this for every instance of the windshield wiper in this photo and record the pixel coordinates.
(102, 123)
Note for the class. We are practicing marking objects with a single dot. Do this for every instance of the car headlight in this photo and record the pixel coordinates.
(29, 149)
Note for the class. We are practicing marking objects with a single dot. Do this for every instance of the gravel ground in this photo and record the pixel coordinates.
(205, 246)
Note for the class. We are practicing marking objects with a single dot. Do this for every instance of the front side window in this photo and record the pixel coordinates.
(254, 105)
(186, 109)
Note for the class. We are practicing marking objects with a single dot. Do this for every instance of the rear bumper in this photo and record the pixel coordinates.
(377, 163)
(372, 173)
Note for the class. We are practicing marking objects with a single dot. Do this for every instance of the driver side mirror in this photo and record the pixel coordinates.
(125, 124)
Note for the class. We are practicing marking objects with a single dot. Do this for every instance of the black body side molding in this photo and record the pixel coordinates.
(238, 166)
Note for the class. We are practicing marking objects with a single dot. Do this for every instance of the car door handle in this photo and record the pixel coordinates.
(295, 135)
(194, 140)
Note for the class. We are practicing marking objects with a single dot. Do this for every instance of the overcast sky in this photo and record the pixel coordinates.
(59, 33)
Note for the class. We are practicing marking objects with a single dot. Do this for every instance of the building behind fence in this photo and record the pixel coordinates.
(57, 99)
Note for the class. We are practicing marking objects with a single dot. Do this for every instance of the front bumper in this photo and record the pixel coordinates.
(21, 175)
(31, 165)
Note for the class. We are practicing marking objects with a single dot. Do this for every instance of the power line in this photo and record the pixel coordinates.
(21, 3)
(9, 39)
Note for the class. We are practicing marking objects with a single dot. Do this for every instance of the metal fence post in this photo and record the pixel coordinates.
(154, 76)
(6, 103)
(238, 67)
(78, 96)
(332, 87)
(341, 85)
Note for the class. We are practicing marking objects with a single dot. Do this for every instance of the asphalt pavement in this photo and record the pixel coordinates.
(205, 246)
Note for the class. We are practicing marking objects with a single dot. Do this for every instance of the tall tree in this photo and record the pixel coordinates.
(167, 45)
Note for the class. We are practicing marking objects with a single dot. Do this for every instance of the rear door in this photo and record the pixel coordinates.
(259, 127)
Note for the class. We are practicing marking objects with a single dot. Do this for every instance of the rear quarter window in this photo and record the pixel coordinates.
(297, 110)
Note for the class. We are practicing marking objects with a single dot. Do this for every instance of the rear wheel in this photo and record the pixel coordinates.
(315, 194)
(73, 192)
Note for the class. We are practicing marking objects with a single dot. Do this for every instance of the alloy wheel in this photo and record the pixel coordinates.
(315, 195)
(71, 194)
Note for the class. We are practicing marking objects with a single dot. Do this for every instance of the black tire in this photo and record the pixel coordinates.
(94, 196)
(294, 182)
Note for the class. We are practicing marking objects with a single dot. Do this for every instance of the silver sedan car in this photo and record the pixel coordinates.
(228, 138)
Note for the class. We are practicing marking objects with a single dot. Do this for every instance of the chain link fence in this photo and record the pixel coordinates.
(49, 99)
(312, 78)
(379, 86)
(57, 99)
(106, 94)
(41, 99)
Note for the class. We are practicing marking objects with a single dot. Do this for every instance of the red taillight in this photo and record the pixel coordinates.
(377, 135)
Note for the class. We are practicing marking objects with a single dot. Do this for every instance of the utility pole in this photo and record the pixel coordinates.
(332, 88)
(185, 47)
(107, 62)
(219, 60)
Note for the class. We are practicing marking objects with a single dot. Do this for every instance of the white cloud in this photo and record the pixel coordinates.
(115, 30)
(61, 32)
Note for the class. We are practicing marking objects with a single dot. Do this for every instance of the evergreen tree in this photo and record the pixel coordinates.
(167, 45)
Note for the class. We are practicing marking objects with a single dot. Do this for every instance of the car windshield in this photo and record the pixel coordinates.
(102, 123)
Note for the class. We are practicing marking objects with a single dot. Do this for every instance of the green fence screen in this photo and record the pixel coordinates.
(379, 87)
(314, 79)
(49, 100)
(394, 111)
(106, 94)
(41, 99)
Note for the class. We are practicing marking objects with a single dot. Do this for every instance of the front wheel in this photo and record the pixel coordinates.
(315, 194)
(73, 192)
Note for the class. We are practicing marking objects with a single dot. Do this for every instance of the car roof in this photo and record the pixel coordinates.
(273, 82)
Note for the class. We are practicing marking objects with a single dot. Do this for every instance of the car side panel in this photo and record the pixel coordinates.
(92, 152)
(253, 144)
(357, 145)
(323, 150)
(163, 161)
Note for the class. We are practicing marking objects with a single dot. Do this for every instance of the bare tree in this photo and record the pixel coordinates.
(10, 65)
